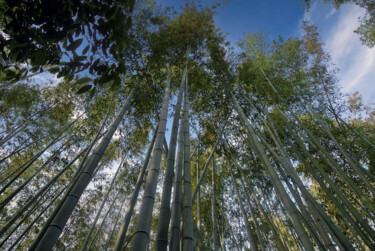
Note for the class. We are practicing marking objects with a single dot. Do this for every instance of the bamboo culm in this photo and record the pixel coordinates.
(253, 245)
(84, 245)
(174, 242)
(37, 195)
(203, 174)
(215, 236)
(187, 203)
(133, 198)
(141, 234)
(291, 209)
(73, 181)
(163, 223)
(94, 239)
(31, 161)
(55, 228)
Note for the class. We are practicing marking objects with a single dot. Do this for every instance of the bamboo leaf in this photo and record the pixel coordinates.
(86, 49)
(83, 80)
(84, 88)
(74, 45)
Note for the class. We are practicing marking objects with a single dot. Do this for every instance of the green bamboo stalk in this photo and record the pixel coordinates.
(203, 175)
(133, 198)
(164, 214)
(253, 245)
(86, 241)
(291, 209)
(174, 242)
(55, 228)
(141, 234)
(215, 236)
(187, 203)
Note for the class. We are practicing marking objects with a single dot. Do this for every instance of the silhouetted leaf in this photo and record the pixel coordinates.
(84, 88)
(73, 46)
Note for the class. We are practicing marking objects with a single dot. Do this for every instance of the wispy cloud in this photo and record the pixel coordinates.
(46, 78)
(355, 61)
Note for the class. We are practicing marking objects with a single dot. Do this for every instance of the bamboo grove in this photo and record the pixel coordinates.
(174, 141)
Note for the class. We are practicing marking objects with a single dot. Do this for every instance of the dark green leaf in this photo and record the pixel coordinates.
(73, 46)
(80, 58)
(54, 70)
(83, 80)
(86, 49)
(84, 88)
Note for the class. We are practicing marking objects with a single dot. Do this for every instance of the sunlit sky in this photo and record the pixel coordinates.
(356, 62)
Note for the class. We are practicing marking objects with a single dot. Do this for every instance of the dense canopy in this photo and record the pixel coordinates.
(153, 133)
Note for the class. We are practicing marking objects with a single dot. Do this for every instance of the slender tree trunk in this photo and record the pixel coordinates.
(115, 225)
(20, 212)
(215, 237)
(174, 243)
(163, 224)
(352, 163)
(222, 240)
(20, 170)
(133, 198)
(94, 239)
(36, 219)
(198, 238)
(288, 165)
(73, 181)
(274, 230)
(279, 242)
(342, 197)
(31, 211)
(203, 175)
(198, 193)
(187, 203)
(334, 230)
(332, 162)
(252, 214)
(141, 234)
(26, 182)
(55, 228)
(358, 134)
(12, 134)
(291, 209)
(233, 238)
(305, 216)
(84, 245)
(253, 245)
(324, 235)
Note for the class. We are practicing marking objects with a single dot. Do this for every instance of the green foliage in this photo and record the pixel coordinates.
(267, 76)
(47, 33)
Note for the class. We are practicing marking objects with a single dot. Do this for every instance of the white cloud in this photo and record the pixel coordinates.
(46, 78)
(355, 61)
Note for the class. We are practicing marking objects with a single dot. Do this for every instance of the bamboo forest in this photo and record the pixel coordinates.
(153, 133)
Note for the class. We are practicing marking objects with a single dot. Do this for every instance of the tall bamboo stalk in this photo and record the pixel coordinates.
(203, 174)
(215, 236)
(133, 198)
(86, 241)
(187, 203)
(141, 235)
(55, 228)
(174, 243)
(253, 245)
(291, 209)
(163, 223)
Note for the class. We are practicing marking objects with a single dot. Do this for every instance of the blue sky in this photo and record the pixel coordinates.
(355, 61)
(283, 17)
